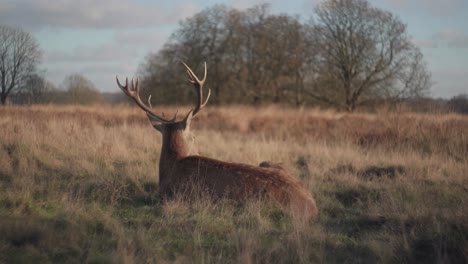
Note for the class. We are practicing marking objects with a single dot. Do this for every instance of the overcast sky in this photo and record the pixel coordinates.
(102, 38)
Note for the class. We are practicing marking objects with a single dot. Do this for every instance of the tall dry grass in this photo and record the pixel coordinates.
(79, 184)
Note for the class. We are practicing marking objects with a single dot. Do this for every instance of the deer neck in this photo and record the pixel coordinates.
(174, 147)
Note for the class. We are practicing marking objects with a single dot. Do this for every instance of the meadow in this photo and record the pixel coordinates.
(79, 185)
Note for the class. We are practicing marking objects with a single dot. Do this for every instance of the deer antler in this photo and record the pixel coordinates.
(198, 84)
(134, 94)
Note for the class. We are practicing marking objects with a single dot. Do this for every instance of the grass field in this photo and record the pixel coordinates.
(79, 185)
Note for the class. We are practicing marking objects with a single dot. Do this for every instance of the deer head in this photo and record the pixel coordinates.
(177, 139)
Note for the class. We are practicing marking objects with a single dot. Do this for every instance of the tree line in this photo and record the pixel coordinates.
(348, 54)
(75, 89)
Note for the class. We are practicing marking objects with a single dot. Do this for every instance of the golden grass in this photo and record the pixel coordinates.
(390, 187)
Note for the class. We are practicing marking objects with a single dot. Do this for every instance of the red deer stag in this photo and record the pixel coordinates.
(181, 170)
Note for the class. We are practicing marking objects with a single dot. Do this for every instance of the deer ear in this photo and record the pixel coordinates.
(158, 127)
(155, 122)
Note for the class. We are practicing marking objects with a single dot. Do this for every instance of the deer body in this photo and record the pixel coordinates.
(182, 171)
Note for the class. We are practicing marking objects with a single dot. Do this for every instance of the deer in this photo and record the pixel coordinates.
(183, 171)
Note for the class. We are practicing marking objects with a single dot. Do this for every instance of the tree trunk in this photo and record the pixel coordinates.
(299, 89)
(350, 106)
(349, 100)
(3, 98)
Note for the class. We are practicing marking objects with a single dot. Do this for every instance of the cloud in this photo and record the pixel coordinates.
(106, 52)
(432, 7)
(124, 46)
(243, 4)
(102, 73)
(453, 39)
(121, 55)
(152, 40)
(449, 82)
(310, 5)
(37, 14)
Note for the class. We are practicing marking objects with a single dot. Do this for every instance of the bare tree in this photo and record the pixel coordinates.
(80, 90)
(286, 55)
(210, 35)
(363, 54)
(255, 57)
(19, 56)
(354, 55)
(459, 104)
(36, 89)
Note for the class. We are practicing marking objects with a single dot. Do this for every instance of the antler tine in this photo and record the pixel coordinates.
(207, 97)
(149, 101)
(204, 75)
(123, 88)
(192, 77)
(164, 116)
(134, 94)
(135, 87)
(199, 88)
(175, 116)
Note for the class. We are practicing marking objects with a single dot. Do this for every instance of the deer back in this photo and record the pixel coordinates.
(218, 179)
